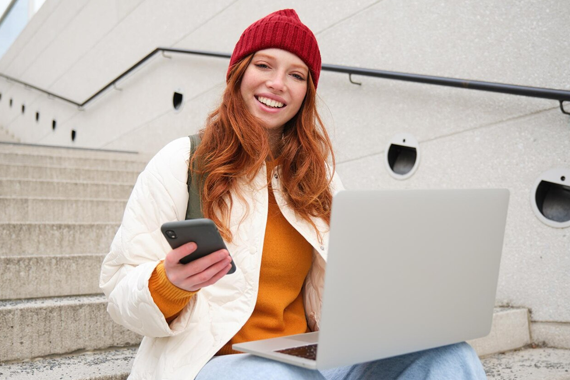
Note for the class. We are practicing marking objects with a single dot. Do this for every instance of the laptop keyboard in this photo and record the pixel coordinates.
(307, 352)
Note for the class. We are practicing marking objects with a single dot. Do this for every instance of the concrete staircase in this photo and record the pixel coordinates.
(59, 210)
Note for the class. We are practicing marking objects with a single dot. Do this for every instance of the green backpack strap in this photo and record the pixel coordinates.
(194, 208)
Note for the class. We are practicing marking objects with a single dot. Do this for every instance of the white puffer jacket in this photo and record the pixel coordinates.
(217, 312)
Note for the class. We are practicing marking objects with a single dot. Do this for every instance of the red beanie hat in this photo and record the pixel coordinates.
(282, 30)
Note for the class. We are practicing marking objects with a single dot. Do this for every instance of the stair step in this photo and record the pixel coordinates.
(60, 210)
(510, 331)
(114, 364)
(40, 239)
(66, 151)
(60, 189)
(49, 276)
(40, 327)
(11, 158)
(551, 334)
(529, 364)
(65, 173)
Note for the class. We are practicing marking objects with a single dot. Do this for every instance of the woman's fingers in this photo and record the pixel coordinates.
(203, 263)
(210, 276)
(196, 274)
(173, 257)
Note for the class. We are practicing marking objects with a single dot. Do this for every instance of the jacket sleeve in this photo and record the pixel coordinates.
(159, 195)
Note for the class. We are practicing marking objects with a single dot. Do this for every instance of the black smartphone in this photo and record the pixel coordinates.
(203, 232)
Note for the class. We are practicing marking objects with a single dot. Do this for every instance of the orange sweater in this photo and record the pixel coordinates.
(279, 311)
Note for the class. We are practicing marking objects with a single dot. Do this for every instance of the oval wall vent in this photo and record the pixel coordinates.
(550, 198)
(402, 156)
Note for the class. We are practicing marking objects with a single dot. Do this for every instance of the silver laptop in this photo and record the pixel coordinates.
(406, 271)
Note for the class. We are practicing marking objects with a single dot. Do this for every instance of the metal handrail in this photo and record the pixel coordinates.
(536, 92)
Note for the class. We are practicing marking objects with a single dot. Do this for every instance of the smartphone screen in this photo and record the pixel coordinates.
(203, 232)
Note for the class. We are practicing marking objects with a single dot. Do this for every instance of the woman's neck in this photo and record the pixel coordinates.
(275, 142)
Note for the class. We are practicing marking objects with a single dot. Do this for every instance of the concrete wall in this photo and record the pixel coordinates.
(466, 138)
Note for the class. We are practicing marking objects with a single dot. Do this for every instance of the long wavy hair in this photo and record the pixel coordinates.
(235, 145)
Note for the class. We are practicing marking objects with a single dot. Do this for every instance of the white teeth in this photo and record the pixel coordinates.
(270, 102)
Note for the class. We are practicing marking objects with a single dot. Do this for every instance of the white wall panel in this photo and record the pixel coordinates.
(222, 32)
(32, 31)
(9, 91)
(143, 97)
(148, 26)
(153, 135)
(518, 42)
(53, 24)
(125, 7)
(21, 125)
(80, 36)
(366, 117)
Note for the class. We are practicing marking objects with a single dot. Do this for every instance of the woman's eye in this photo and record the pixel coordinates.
(261, 65)
(298, 77)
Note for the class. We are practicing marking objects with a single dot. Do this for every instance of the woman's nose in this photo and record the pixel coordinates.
(276, 82)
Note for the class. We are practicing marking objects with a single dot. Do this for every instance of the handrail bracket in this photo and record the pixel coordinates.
(562, 107)
(353, 82)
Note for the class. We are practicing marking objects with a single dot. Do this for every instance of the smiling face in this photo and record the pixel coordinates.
(274, 86)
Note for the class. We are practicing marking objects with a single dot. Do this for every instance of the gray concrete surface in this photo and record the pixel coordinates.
(37, 239)
(41, 327)
(112, 364)
(529, 364)
(73, 174)
(60, 189)
(510, 331)
(62, 161)
(115, 364)
(29, 210)
(70, 151)
(552, 333)
(49, 276)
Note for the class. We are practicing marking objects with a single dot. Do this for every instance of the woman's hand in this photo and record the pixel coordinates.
(199, 273)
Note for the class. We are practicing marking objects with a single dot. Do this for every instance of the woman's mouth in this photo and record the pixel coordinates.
(269, 102)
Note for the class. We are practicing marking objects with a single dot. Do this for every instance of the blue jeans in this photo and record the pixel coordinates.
(453, 362)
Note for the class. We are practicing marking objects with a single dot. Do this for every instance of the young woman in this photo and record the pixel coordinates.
(269, 189)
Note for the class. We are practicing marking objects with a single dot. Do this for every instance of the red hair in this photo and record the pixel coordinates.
(235, 145)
